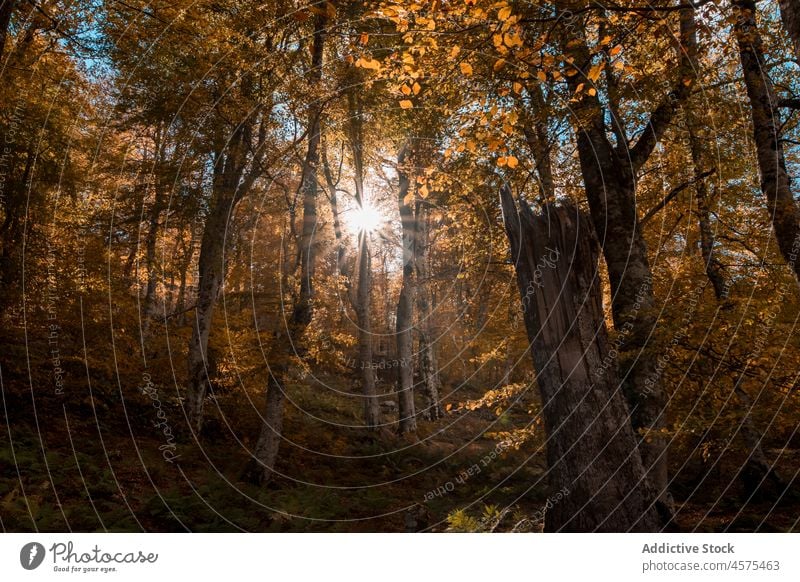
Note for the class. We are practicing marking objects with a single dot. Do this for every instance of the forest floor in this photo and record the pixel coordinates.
(98, 466)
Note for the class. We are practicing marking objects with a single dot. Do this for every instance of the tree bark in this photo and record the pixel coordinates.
(592, 451)
(775, 182)
(538, 140)
(405, 304)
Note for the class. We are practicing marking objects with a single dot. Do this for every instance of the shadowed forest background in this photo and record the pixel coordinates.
(448, 265)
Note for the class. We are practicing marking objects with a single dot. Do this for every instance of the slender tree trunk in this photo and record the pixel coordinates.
(790, 14)
(268, 445)
(775, 183)
(428, 365)
(538, 140)
(592, 451)
(372, 416)
(151, 242)
(715, 271)
(405, 305)
(364, 286)
(183, 267)
(211, 274)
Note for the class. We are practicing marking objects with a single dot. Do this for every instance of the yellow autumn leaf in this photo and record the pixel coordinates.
(592, 92)
(499, 64)
(504, 13)
(502, 161)
(405, 90)
(512, 162)
(406, 104)
(517, 88)
(416, 88)
(594, 72)
(466, 69)
(541, 75)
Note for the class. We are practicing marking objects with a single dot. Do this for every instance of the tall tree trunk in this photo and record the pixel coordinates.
(283, 349)
(362, 306)
(151, 242)
(232, 180)
(610, 175)
(592, 451)
(715, 270)
(211, 273)
(698, 137)
(428, 365)
(775, 183)
(372, 411)
(183, 267)
(790, 14)
(405, 303)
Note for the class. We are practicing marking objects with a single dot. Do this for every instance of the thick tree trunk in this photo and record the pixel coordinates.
(790, 14)
(610, 175)
(405, 306)
(428, 366)
(283, 349)
(775, 183)
(592, 451)
(211, 269)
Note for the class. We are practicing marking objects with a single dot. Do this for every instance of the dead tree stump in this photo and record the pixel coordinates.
(591, 446)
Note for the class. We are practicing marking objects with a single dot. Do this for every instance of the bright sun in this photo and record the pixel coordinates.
(365, 218)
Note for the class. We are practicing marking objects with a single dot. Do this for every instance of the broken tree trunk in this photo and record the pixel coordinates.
(591, 447)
